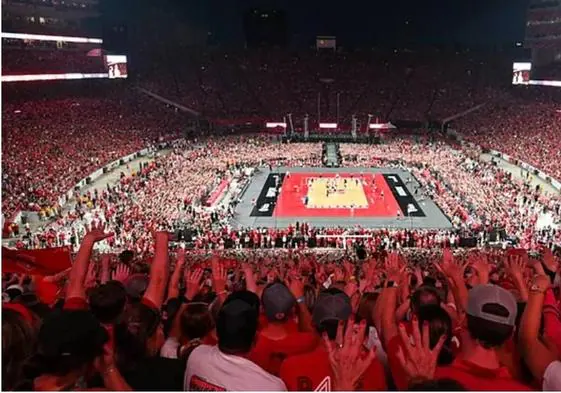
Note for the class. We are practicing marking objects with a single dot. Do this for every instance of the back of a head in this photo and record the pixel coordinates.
(237, 322)
(196, 321)
(68, 341)
(278, 302)
(440, 324)
(332, 306)
(18, 344)
(137, 326)
(491, 315)
(424, 296)
(107, 301)
(126, 257)
(366, 308)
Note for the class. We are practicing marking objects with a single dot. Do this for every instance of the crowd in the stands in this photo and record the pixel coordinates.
(169, 193)
(222, 307)
(50, 145)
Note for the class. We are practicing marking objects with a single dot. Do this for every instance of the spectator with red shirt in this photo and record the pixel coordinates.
(490, 317)
(280, 338)
(332, 308)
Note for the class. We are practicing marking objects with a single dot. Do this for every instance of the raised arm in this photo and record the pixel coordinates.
(173, 290)
(304, 317)
(159, 272)
(105, 273)
(536, 355)
(76, 286)
(390, 293)
(453, 271)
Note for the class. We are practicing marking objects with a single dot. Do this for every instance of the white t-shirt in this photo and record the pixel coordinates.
(552, 377)
(169, 349)
(208, 369)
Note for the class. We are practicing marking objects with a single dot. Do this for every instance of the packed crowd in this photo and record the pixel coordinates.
(267, 84)
(168, 193)
(44, 139)
(484, 320)
(55, 61)
(522, 127)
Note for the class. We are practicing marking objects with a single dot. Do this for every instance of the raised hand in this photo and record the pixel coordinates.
(514, 267)
(219, 275)
(349, 268)
(351, 288)
(91, 276)
(250, 280)
(339, 275)
(296, 286)
(346, 357)
(449, 266)
(97, 232)
(480, 264)
(394, 267)
(417, 359)
(193, 282)
(549, 260)
(121, 273)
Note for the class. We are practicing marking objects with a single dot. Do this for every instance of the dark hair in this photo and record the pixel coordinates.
(366, 308)
(196, 321)
(310, 297)
(489, 334)
(440, 324)
(67, 341)
(18, 345)
(137, 325)
(237, 322)
(329, 327)
(437, 385)
(126, 257)
(107, 301)
(423, 296)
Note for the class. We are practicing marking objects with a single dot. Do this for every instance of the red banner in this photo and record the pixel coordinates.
(44, 262)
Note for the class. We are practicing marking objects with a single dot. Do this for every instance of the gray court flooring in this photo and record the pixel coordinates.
(434, 217)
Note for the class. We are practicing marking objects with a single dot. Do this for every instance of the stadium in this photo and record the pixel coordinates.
(244, 200)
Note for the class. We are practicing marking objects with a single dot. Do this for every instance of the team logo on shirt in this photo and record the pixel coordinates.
(324, 386)
(198, 384)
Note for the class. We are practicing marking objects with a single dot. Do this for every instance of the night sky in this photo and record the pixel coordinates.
(362, 22)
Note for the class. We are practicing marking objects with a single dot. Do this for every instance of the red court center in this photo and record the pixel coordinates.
(336, 195)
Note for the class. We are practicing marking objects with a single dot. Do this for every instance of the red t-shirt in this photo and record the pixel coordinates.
(399, 376)
(312, 371)
(474, 377)
(269, 353)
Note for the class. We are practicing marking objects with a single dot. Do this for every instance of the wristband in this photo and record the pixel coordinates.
(301, 299)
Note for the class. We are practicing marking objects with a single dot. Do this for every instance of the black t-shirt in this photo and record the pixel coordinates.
(159, 374)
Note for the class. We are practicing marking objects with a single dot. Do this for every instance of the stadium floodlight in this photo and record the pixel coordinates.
(52, 77)
(327, 125)
(45, 37)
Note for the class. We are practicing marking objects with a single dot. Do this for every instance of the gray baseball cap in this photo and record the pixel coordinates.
(331, 306)
(481, 299)
(277, 301)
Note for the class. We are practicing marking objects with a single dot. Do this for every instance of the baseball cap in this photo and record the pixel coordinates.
(237, 321)
(70, 338)
(492, 303)
(277, 301)
(331, 305)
